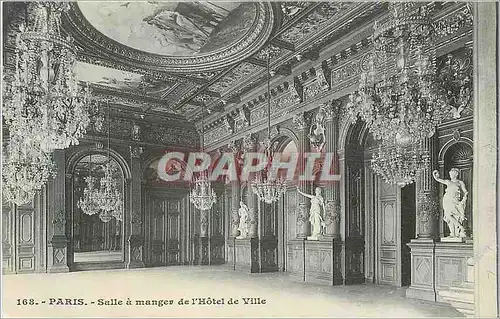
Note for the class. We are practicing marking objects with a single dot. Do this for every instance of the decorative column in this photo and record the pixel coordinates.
(136, 237)
(204, 237)
(427, 199)
(423, 248)
(235, 204)
(57, 251)
(332, 191)
(250, 145)
(303, 224)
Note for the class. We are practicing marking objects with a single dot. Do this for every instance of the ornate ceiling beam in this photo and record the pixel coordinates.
(205, 87)
(283, 44)
(257, 61)
(284, 70)
(211, 93)
(312, 55)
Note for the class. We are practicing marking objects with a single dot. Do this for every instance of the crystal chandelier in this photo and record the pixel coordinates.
(88, 203)
(107, 199)
(398, 97)
(399, 165)
(25, 171)
(43, 101)
(268, 189)
(202, 194)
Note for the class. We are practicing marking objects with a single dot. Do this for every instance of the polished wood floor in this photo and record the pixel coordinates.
(150, 291)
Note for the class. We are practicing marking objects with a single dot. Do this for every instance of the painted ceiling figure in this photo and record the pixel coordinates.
(201, 14)
(178, 30)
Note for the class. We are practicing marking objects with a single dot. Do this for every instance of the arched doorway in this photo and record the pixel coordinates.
(379, 217)
(287, 206)
(97, 237)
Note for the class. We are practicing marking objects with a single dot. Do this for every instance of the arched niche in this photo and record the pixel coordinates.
(287, 146)
(97, 238)
(458, 154)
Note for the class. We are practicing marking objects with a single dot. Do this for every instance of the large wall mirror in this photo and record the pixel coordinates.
(98, 209)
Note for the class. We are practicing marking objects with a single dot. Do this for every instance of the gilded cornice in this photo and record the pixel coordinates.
(454, 23)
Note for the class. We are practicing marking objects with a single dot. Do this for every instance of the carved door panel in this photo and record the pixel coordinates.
(172, 231)
(164, 231)
(157, 232)
(388, 219)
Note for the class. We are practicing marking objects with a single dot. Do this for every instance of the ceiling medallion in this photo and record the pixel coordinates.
(175, 36)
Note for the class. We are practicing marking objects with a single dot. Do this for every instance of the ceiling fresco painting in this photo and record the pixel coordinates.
(122, 80)
(171, 28)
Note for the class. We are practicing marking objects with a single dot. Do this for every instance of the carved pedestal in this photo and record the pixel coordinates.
(422, 270)
(135, 245)
(451, 266)
(295, 262)
(245, 256)
(436, 267)
(316, 261)
(58, 250)
(323, 261)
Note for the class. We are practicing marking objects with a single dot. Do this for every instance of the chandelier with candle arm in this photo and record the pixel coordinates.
(268, 188)
(202, 195)
(106, 200)
(45, 108)
(44, 101)
(399, 97)
(25, 171)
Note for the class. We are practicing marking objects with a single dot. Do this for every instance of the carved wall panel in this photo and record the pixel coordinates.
(423, 270)
(8, 243)
(296, 258)
(291, 206)
(23, 232)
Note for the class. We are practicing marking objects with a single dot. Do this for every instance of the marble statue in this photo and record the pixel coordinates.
(244, 213)
(454, 200)
(317, 130)
(315, 218)
(136, 132)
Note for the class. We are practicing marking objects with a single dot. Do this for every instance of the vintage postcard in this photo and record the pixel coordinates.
(216, 159)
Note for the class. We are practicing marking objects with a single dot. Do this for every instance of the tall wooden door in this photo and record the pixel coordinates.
(163, 222)
(388, 239)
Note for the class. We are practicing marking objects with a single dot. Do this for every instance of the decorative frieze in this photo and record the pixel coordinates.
(300, 121)
(249, 143)
(135, 152)
(455, 21)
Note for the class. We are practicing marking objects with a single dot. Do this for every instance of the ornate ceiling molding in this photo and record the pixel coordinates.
(91, 39)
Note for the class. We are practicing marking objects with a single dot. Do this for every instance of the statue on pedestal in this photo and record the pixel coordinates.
(317, 203)
(243, 226)
(454, 200)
